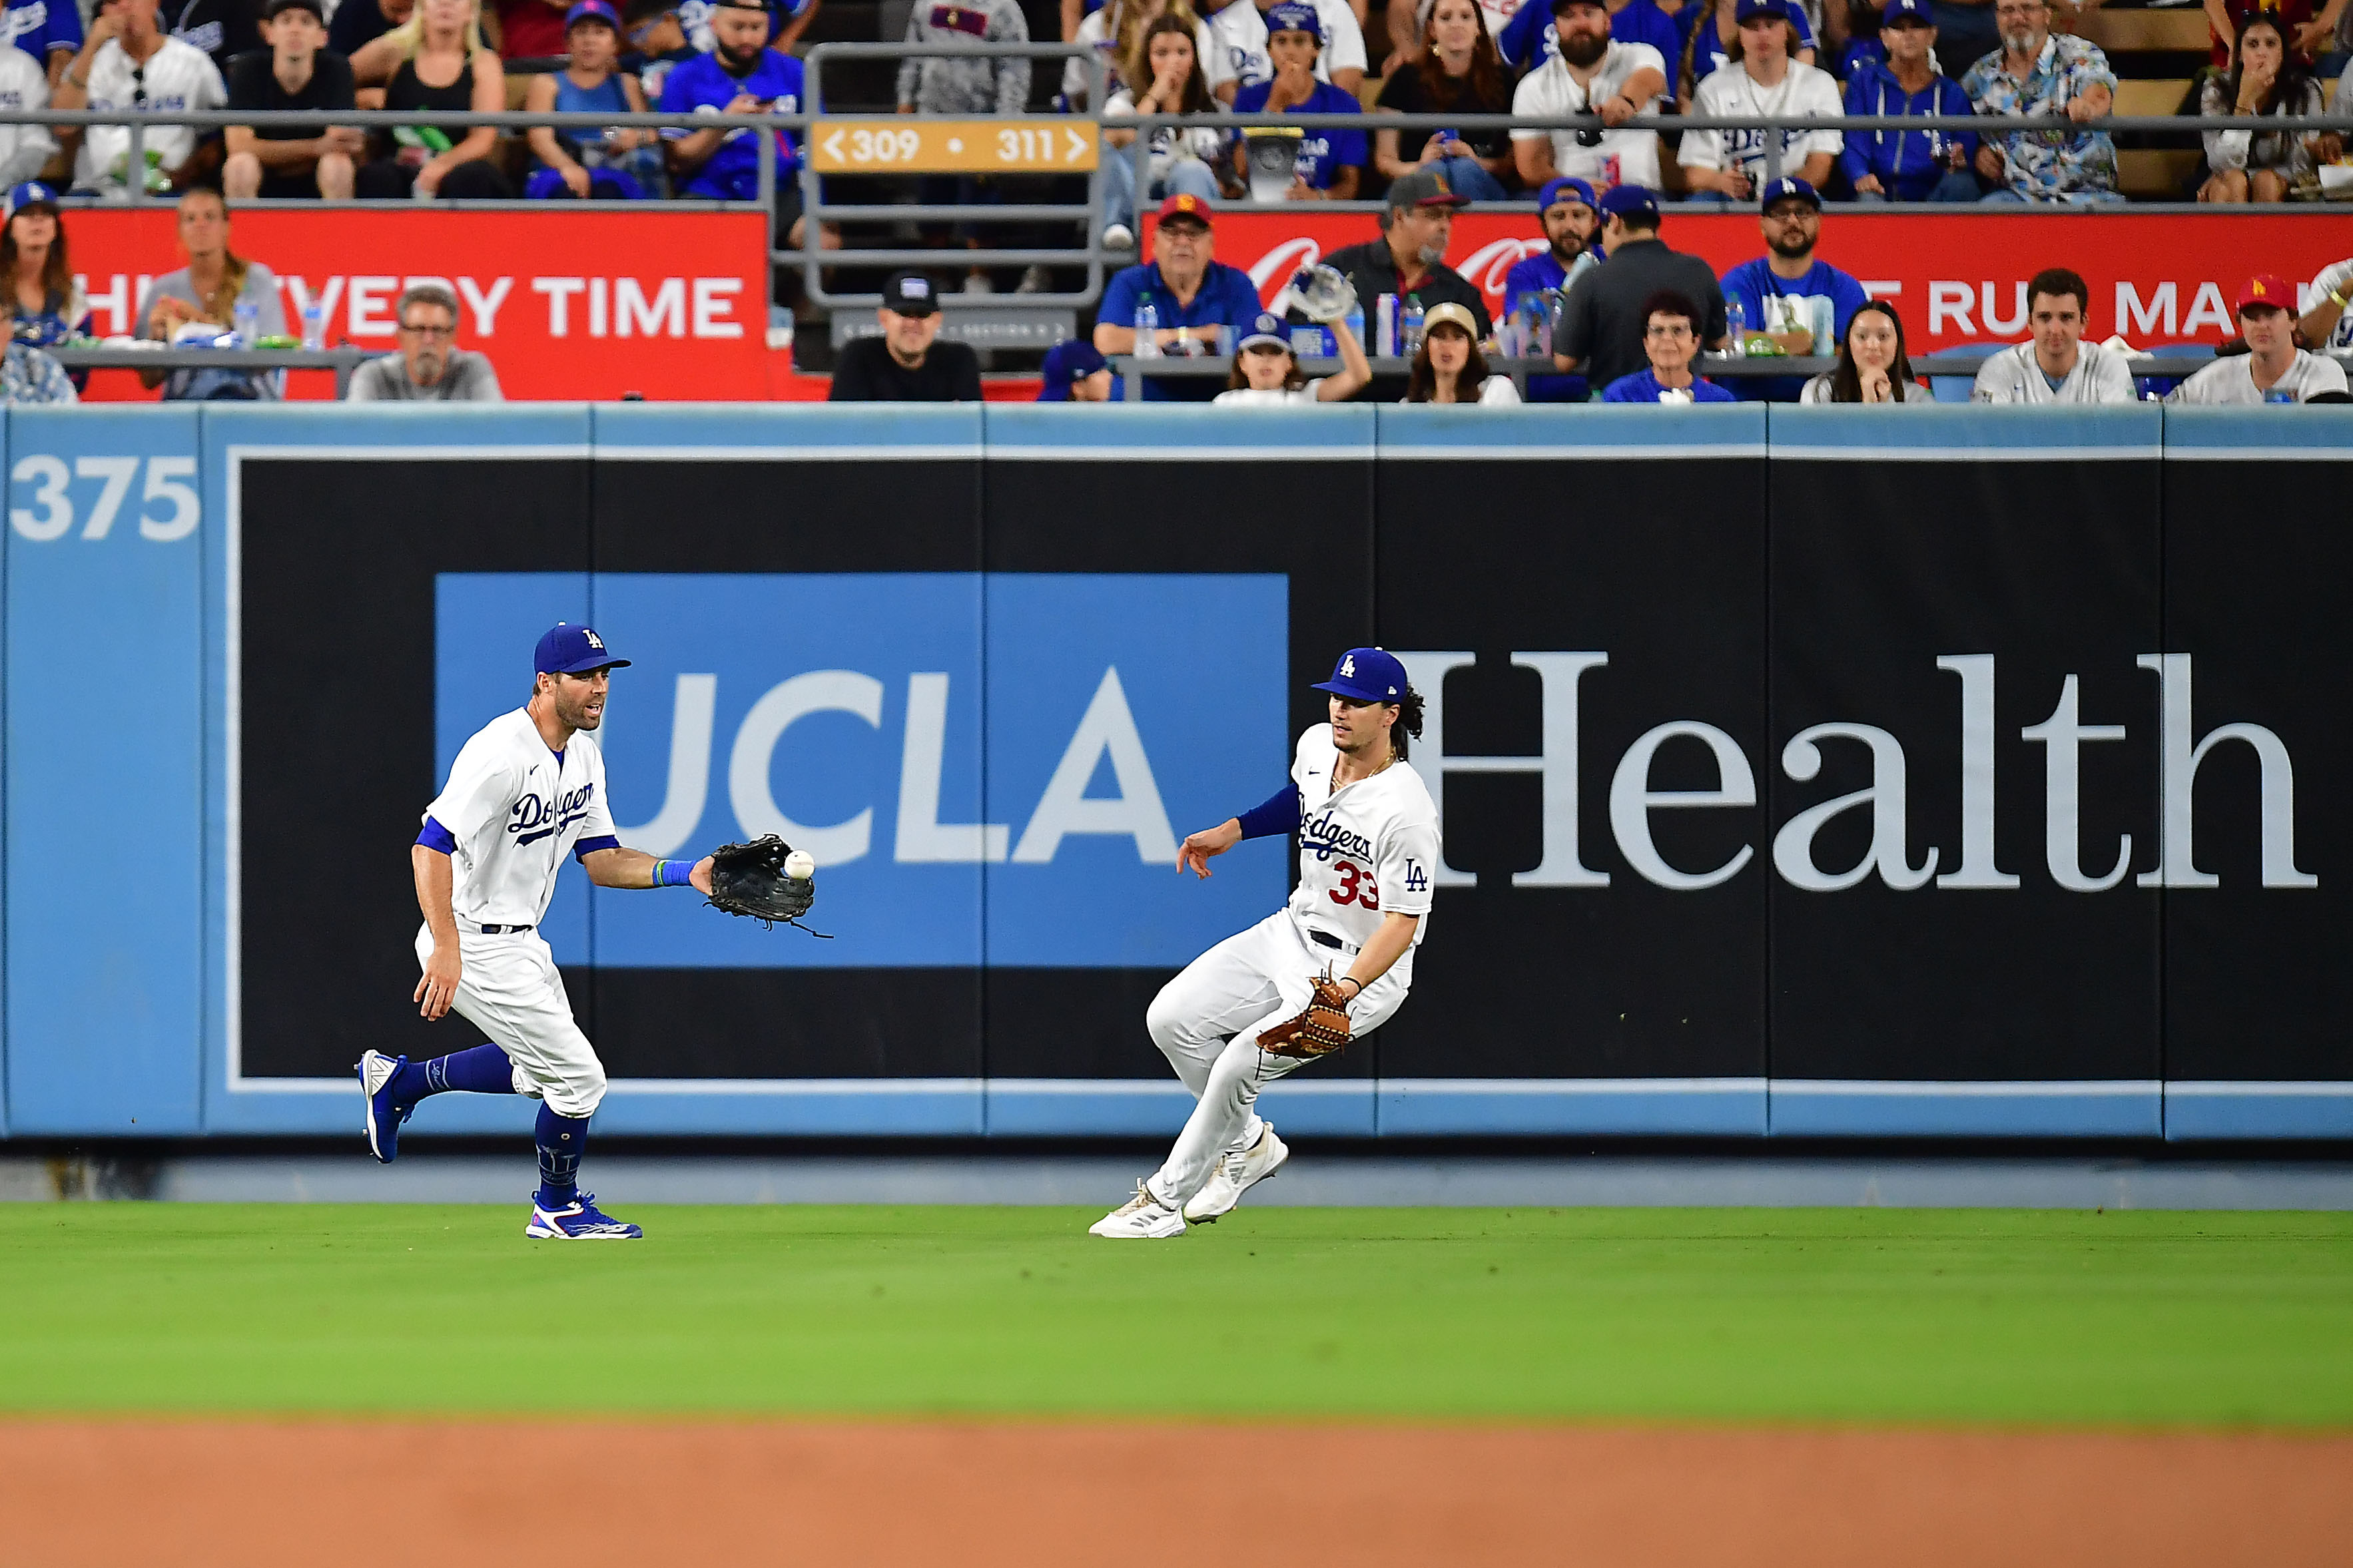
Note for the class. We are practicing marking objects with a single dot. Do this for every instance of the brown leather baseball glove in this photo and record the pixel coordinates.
(1319, 1031)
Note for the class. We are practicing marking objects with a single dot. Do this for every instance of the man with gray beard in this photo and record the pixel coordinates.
(1409, 260)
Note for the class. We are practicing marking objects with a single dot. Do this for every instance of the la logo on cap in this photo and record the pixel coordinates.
(594, 640)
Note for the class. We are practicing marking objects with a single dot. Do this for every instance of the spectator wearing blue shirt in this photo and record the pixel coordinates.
(1802, 304)
(741, 74)
(1529, 38)
(1908, 165)
(1670, 343)
(1329, 160)
(48, 30)
(1192, 294)
(1566, 207)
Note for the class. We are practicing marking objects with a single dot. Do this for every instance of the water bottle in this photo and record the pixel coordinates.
(314, 327)
(1148, 330)
(1735, 328)
(1410, 325)
(247, 317)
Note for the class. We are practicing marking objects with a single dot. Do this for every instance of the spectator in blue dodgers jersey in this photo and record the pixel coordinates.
(1571, 222)
(1728, 165)
(1191, 293)
(1670, 343)
(1240, 57)
(1908, 165)
(2056, 365)
(1330, 159)
(1266, 370)
(48, 30)
(2042, 74)
(47, 305)
(742, 76)
(584, 164)
(1801, 303)
(1075, 372)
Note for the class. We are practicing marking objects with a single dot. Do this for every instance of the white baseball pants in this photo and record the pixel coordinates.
(510, 988)
(1207, 1020)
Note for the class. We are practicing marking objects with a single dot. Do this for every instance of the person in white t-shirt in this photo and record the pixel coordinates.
(1369, 851)
(1238, 55)
(2273, 370)
(24, 150)
(1730, 166)
(1590, 75)
(1451, 369)
(1266, 372)
(2056, 365)
(128, 63)
(2328, 325)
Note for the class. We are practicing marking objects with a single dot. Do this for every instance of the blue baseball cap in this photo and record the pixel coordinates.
(1575, 190)
(1066, 362)
(1750, 9)
(568, 650)
(1266, 326)
(1895, 11)
(1368, 675)
(1788, 187)
(1630, 201)
(31, 192)
(1295, 16)
(592, 11)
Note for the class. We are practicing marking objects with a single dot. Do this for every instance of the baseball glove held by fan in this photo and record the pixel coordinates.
(749, 880)
(1324, 294)
(1320, 1031)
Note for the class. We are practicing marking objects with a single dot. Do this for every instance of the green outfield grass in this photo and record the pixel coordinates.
(1849, 1314)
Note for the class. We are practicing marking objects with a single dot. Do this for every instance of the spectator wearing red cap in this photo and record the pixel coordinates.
(2266, 79)
(2273, 370)
(1329, 160)
(299, 71)
(1592, 74)
(1670, 341)
(1190, 294)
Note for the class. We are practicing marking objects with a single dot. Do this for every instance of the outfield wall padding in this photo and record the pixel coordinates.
(1804, 772)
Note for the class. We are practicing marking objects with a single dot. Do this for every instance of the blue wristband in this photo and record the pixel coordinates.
(673, 873)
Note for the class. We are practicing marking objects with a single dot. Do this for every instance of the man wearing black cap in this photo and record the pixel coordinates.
(1409, 260)
(907, 363)
(299, 71)
(1603, 320)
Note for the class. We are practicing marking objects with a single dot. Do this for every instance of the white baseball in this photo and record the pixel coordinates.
(800, 866)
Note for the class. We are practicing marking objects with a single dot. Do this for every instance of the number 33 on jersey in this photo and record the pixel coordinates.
(1365, 852)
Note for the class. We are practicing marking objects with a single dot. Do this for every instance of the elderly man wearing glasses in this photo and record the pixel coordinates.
(2037, 72)
(431, 367)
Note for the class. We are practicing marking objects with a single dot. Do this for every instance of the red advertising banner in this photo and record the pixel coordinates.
(1956, 277)
(665, 301)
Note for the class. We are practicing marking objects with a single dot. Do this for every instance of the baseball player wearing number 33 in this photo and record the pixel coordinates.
(525, 790)
(1333, 963)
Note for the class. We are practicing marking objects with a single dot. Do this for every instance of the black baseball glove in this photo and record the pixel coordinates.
(749, 880)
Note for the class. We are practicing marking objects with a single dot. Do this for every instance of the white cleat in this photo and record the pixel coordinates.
(1237, 1174)
(1143, 1217)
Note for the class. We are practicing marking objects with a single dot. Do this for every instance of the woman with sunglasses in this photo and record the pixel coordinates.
(1871, 366)
(1267, 373)
(1450, 367)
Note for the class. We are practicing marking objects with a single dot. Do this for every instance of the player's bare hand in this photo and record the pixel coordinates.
(1195, 853)
(439, 989)
(701, 876)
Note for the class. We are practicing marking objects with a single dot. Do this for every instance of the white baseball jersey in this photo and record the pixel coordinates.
(176, 76)
(22, 85)
(2014, 376)
(1238, 45)
(1621, 157)
(1804, 92)
(2337, 277)
(2233, 381)
(511, 812)
(1367, 851)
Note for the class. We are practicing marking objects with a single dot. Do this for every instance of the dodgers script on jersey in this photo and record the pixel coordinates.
(513, 809)
(1367, 851)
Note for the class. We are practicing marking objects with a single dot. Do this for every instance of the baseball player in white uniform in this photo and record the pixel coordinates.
(525, 791)
(1367, 849)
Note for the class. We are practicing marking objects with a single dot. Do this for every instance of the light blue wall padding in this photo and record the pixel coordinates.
(120, 977)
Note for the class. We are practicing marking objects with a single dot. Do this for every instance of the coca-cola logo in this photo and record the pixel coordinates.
(1491, 263)
(1272, 272)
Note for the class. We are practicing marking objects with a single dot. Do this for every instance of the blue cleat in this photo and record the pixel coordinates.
(578, 1220)
(377, 1072)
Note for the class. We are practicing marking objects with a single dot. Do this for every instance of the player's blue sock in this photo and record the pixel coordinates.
(561, 1140)
(485, 1070)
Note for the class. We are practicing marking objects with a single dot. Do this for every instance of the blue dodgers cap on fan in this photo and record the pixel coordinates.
(1786, 188)
(1067, 363)
(591, 10)
(32, 193)
(1629, 201)
(1749, 10)
(1571, 189)
(1267, 328)
(568, 650)
(1906, 10)
(1368, 675)
(1295, 16)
